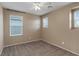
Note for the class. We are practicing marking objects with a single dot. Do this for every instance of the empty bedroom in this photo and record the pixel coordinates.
(39, 28)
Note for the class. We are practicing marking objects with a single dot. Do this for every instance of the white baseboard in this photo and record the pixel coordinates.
(21, 43)
(61, 47)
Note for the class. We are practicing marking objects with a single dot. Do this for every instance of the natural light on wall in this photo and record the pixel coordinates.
(37, 24)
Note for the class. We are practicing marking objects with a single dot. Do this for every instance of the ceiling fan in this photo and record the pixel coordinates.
(40, 5)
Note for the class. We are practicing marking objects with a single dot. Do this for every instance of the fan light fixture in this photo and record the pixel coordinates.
(39, 5)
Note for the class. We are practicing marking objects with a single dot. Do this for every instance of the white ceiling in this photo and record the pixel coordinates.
(29, 8)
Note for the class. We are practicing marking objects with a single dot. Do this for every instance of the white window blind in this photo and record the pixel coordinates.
(76, 18)
(16, 25)
(45, 22)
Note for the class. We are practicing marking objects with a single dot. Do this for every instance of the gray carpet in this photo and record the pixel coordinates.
(38, 48)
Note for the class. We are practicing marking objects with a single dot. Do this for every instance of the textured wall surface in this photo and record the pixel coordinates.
(31, 28)
(1, 29)
(58, 31)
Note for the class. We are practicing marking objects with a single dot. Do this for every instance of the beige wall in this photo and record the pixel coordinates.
(58, 29)
(1, 29)
(31, 28)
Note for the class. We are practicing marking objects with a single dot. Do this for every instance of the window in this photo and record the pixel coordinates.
(75, 18)
(45, 22)
(16, 25)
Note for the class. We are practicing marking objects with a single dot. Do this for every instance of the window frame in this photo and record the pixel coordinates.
(10, 25)
(72, 24)
(44, 23)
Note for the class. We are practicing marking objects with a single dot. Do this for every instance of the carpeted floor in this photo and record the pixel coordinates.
(38, 48)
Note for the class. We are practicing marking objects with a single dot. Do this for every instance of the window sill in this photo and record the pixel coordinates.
(17, 35)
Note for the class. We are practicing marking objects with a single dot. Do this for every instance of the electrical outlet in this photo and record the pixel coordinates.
(62, 42)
